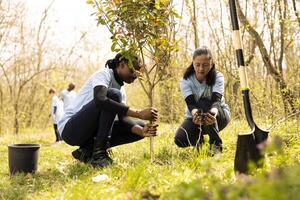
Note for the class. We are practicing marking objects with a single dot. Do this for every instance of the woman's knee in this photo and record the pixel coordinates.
(73, 136)
(180, 139)
(222, 119)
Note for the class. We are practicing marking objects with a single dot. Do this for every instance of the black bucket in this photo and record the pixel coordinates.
(23, 158)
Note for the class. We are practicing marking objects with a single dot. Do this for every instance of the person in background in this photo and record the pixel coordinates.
(57, 112)
(207, 113)
(67, 95)
(90, 120)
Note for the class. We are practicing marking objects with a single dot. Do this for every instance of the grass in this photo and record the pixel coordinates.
(182, 174)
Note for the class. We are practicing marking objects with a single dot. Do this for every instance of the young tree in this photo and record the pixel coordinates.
(144, 28)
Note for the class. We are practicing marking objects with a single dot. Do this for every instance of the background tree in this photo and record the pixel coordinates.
(274, 65)
(30, 64)
(276, 23)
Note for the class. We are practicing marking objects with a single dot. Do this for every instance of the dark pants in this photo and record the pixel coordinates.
(188, 133)
(57, 136)
(93, 122)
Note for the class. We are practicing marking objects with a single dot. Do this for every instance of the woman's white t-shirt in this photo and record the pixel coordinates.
(191, 86)
(104, 77)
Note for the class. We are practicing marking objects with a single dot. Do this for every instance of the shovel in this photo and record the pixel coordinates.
(247, 150)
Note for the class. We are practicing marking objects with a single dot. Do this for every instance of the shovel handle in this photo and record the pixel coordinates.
(238, 46)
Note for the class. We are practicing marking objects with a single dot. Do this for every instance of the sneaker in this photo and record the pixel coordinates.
(101, 159)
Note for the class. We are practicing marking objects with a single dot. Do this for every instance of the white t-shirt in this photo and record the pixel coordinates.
(67, 97)
(56, 102)
(103, 77)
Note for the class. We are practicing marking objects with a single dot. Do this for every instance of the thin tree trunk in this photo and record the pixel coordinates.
(151, 100)
(1, 108)
(193, 11)
(296, 11)
(195, 25)
(16, 118)
(282, 18)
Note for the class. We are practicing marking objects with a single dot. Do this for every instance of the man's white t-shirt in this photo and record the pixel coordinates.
(103, 77)
(59, 112)
(67, 97)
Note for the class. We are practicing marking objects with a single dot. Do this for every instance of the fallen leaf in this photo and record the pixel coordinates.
(99, 178)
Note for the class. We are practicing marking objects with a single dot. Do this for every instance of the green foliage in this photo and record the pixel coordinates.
(135, 24)
(144, 28)
(279, 184)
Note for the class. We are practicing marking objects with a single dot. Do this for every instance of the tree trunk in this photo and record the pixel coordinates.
(296, 11)
(151, 100)
(32, 105)
(193, 11)
(195, 25)
(1, 109)
(16, 120)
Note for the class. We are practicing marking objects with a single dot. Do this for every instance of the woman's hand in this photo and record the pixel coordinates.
(196, 117)
(214, 111)
(209, 119)
(148, 114)
(149, 130)
(204, 118)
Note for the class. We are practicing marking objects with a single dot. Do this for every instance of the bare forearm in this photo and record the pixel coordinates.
(145, 114)
(133, 113)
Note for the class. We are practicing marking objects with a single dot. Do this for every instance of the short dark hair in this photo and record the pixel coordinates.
(114, 63)
(52, 91)
(211, 76)
(71, 86)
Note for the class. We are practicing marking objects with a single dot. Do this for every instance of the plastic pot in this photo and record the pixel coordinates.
(23, 158)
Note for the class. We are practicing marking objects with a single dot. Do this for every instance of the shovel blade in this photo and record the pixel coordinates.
(247, 153)
(260, 135)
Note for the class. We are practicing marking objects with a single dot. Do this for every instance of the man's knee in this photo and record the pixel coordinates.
(140, 123)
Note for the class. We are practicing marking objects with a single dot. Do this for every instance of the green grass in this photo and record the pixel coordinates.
(182, 174)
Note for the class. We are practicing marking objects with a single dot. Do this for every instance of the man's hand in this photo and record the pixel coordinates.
(149, 130)
(148, 114)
